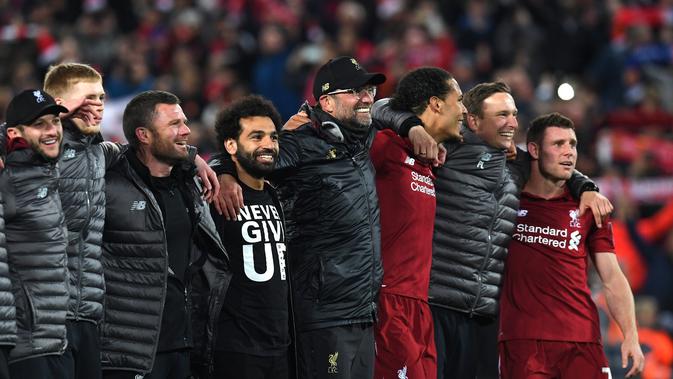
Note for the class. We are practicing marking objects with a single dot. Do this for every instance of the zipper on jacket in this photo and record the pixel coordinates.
(372, 301)
(85, 227)
(490, 240)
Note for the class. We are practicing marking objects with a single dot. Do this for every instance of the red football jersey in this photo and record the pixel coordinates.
(545, 294)
(406, 193)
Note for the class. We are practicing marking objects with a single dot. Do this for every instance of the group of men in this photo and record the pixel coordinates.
(108, 251)
(334, 249)
(387, 282)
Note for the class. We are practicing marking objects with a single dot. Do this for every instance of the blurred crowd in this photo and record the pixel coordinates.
(606, 64)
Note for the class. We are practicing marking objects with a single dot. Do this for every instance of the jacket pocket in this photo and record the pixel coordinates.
(308, 278)
(25, 310)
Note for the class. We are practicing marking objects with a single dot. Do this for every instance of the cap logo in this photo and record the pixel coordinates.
(38, 96)
(325, 87)
(356, 64)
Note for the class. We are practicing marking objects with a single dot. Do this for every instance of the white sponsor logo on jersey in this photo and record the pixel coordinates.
(575, 218)
(575, 238)
(402, 373)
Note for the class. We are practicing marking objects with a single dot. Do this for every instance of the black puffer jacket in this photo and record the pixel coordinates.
(82, 188)
(332, 217)
(7, 308)
(135, 262)
(36, 245)
(332, 223)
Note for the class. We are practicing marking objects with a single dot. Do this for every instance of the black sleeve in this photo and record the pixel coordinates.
(222, 163)
(401, 122)
(112, 152)
(579, 183)
(520, 168)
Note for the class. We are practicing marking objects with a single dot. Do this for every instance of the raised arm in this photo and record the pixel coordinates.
(620, 304)
(229, 200)
(406, 124)
(112, 151)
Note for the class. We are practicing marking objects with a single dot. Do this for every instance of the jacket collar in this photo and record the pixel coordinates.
(73, 136)
(179, 172)
(470, 138)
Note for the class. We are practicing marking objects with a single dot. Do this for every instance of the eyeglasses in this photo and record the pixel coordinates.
(359, 93)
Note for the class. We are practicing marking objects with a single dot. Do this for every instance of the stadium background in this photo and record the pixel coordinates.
(606, 64)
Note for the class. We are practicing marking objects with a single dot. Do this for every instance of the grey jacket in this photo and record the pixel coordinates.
(7, 308)
(82, 189)
(477, 203)
(36, 245)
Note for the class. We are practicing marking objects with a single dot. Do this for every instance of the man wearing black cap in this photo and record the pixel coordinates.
(36, 236)
(326, 183)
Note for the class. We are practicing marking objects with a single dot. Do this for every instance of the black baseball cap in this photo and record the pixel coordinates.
(30, 104)
(343, 73)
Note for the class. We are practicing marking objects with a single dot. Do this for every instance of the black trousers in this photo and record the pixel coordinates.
(467, 347)
(4, 362)
(170, 365)
(341, 352)
(45, 367)
(246, 366)
(83, 352)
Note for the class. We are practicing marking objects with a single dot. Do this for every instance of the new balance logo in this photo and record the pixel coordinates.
(138, 205)
(68, 154)
(409, 160)
(42, 192)
(522, 213)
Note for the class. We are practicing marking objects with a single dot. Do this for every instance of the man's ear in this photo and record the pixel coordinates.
(13, 133)
(143, 135)
(326, 103)
(533, 150)
(231, 146)
(472, 121)
(434, 104)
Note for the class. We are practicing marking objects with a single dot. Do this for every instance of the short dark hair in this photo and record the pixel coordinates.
(416, 88)
(540, 124)
(228, 123)
(474, 98)
(140, 112)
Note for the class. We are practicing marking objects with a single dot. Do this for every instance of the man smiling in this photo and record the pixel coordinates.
(158, 234)
(253, 329)
(36, 236)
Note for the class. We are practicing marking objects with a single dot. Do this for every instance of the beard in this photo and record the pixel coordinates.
(35, 146)
(165, 151)
(256, 169)
(86, 129)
